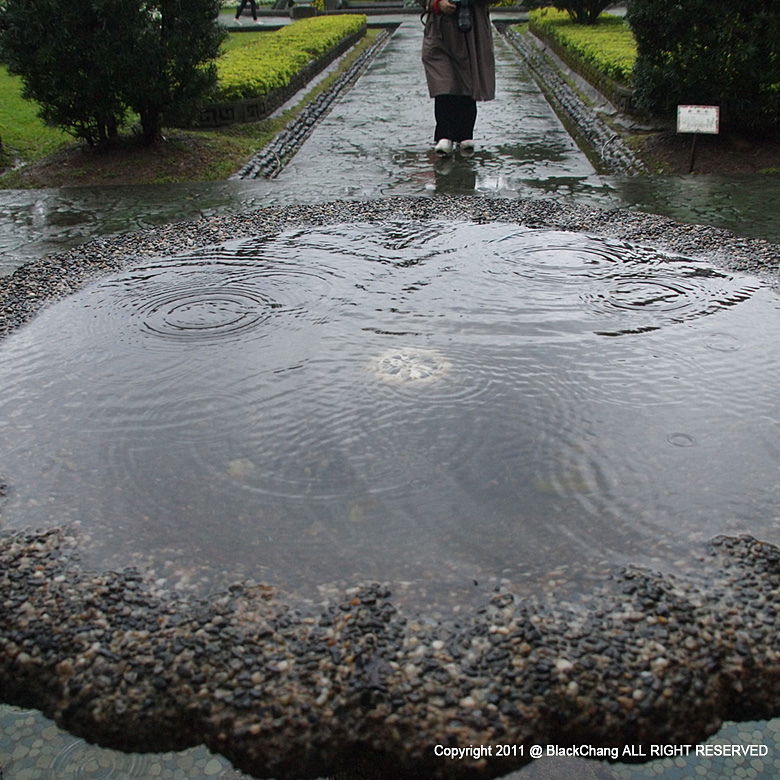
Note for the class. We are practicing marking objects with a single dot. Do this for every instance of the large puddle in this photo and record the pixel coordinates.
(440, 405)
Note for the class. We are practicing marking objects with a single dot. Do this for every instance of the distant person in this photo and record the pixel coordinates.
(460, 69)
(252, 5)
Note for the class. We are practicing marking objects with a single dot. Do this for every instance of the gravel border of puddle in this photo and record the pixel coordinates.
(291, 690)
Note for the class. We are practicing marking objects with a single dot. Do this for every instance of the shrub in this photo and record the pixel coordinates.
(713, 52)
(271, 62)
(69, 71)
(88, 62)
(608, 46)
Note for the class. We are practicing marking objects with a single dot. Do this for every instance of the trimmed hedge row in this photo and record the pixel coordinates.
(715, 52)
(609, 46)
(258, 68)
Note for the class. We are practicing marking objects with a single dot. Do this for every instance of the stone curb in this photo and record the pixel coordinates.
(270, 161)
(603, 142)
(289, 691)
(256, 109)
(620, 96)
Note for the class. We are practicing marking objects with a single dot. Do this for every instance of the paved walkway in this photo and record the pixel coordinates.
(378, 140)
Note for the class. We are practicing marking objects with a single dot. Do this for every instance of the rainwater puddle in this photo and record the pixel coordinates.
(441, 405)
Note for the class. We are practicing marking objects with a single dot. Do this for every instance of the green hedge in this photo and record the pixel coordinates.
(271, 62)
(608, 46)
(714, 52)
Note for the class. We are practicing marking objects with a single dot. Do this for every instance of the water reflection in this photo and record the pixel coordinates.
(34, 223)
(224, 414)
(746, 205)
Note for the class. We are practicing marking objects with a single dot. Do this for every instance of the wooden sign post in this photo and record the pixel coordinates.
(697, 119)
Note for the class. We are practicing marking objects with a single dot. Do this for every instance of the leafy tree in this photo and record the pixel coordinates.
(87, 63)
(64, 52)
(583, 11)
(174, 60)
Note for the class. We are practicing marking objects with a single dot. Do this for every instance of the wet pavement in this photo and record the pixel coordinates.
(34, 748)
(379, 138)
(377, 141)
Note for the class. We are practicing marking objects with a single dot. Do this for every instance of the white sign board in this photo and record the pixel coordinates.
(698, 119)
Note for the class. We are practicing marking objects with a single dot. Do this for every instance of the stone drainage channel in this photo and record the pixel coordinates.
(603, 144)
(33, 748)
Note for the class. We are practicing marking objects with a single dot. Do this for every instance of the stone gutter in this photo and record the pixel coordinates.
(272, 158)
(621, 96)
(287, 689)
(603, 145)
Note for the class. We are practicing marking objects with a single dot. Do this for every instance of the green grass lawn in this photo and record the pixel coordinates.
(23, 133)
(27, 138)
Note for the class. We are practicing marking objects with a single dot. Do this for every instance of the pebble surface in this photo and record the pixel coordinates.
(288, 692)
(291, 690)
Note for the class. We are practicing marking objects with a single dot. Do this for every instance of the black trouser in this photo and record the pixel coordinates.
(455, 117)
(252, 5)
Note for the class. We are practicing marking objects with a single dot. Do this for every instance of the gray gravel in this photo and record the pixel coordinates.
(40, 282)
(293, 690)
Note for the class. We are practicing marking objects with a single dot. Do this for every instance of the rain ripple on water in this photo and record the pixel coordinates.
(411, 401)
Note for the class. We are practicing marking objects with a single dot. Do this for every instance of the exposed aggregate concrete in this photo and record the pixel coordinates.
(290, 693)
(291, 690)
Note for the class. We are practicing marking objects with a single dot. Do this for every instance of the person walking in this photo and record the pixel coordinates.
(459, 67)
(252, 5)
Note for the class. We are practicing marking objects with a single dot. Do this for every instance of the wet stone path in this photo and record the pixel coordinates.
(377, 141)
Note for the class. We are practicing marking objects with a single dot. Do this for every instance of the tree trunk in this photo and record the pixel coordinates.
(151, 126)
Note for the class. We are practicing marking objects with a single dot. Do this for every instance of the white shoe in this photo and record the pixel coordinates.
(237, 21)
(467, 147)
(444, 147)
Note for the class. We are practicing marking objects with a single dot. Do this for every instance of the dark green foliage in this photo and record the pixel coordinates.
(175, 66)
(87, 63)
(64, 53)
(582, 11)
(710, 52)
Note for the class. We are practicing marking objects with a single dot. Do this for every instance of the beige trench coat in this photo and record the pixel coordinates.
(459, 63)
